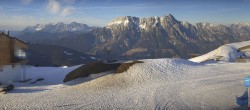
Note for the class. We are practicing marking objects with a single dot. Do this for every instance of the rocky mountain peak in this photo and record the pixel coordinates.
(123, 21)
(73, 23)
(60, 23)
(171, 17)
(142, 23)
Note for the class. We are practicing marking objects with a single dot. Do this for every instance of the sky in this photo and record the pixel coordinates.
(18, 14)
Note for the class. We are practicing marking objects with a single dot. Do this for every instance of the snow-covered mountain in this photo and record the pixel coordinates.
(163, 36)
(59, 27)
(142, 23)
(241, 29)
(227, 52)
(153, 37)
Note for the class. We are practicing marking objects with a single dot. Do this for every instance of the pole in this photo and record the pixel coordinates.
(23, 72)
(248, 90)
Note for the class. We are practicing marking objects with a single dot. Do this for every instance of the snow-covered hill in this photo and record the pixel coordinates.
(228, 52)
(154, 84)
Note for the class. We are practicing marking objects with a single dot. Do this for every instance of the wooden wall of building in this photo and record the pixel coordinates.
(5, 51)
(7, 48)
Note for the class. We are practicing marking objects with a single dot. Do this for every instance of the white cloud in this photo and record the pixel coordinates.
(67, 11)
(26, 2)
(60, 8)
(54, 6)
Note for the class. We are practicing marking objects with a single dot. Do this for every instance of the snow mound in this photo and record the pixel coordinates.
(228, 53)
(163, 68)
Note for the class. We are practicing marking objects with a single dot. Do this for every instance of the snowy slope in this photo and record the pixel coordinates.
(226, 52)
(53, 78)
(154, 84)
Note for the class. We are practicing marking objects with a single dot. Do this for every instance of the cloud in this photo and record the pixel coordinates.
(54, 6)
(67, 11)
(61, 8)
(26, 2)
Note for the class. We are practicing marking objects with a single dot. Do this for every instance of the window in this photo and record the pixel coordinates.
(20, 54)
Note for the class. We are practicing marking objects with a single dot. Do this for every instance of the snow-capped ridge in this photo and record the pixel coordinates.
(241, 24)
(206, 24)
(59, 27)
(123, 21)
(142, 23)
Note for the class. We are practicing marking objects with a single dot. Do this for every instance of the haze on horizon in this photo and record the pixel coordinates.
(18, 14)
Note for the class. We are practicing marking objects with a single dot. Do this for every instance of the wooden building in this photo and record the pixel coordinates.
(12, 56)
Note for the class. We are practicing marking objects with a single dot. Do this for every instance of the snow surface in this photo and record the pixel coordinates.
(227, 52)
(120, 21)
(93, 57)
(68, 53)
(53, 78)
(39, 27)
(154, 84)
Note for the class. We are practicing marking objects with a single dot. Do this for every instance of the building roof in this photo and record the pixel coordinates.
(3, 34)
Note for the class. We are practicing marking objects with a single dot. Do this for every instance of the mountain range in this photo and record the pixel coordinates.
(133, 37)
(59, 27)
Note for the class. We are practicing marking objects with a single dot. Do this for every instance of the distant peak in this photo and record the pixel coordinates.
(73, 22)
(60, 27)
(59, 23)
(171, 17)
(242, 24)
(207, 24)
(38, 25)
(125, 17)
(124, 20)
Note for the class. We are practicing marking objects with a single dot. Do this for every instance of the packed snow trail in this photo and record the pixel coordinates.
(155, 84)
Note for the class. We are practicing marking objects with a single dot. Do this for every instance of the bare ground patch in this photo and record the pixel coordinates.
(98, 67)
(125, 66)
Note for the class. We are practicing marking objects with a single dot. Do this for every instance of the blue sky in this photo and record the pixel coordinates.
(17, 14)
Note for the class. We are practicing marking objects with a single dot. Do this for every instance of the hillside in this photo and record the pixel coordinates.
(49, 55)
(154, 84)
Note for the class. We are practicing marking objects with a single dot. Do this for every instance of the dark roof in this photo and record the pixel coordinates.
(2, 33)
